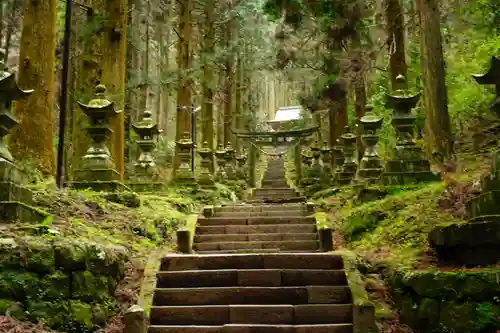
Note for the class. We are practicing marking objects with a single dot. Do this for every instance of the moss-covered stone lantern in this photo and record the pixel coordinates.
(326, 159)
(350, 165)
(220, 155)
(371, 166)
(229, 161)
(408, 164)
(97, 169)
(206, 154)
(242, 171)
(15, 198)
(147, 131)
(184, 173)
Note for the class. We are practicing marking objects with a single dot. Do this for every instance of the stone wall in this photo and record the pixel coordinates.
(459, 301)
(67, 284)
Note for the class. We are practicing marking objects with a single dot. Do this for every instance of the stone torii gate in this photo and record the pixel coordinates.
(278, 138)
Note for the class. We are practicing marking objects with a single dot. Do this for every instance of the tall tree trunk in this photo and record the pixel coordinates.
(145, 84)
(229, 81)
(112, 66)
(33, 139)
(396, 42)
(184, 95)
(2, 5)
(437, 118)
(238, 96)
(166, 64)
(208, 83)
(14, 5)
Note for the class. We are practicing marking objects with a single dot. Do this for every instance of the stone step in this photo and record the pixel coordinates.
(285, 212)
(332, 328)
(177, 262)
(257, 229)
(251, 251)
(253, 295)
(215, 221)
(311, 245)
(250, 277)
(251, 314)
(255, 237)
(277, 189)
(257, 208)
(275, 200)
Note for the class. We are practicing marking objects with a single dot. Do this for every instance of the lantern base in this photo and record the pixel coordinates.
(100, 186)
(15, 211)
(10, 191)
(408, 178)
(147, 187)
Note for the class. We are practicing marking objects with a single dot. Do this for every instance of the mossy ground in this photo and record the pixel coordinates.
(384, 233)
(86, 233)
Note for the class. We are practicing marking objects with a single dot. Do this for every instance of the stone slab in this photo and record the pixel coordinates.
(261, 314)
(13, 211)
(323, 314)
(260, 278)
(189, 315)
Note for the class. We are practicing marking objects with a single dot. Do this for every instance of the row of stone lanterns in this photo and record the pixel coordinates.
(408, 165)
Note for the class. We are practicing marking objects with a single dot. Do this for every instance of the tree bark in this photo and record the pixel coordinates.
(437, 119)
(229, 81)
(112, 67)
(14, 5)
(396, 42)
(33, 138)
(208, 83)
(184, 94)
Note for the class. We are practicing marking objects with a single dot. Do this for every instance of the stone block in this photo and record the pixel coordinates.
(135, 320)
(147, 187)
(184, 241)
(323, 314)
(9, 172)
(13, 211)
(363, 319)
(10, 191)
(268, 278)
(261, 314)
(100, 186)
(328, 294)
(190, 315)
(326, 239)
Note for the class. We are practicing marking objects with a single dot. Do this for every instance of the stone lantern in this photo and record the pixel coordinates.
(206, 154)
(229, 158)
(408, 164)
(147, 131)
(97, 169)
(185, 146)
(220, 154)
(370, 167)
(326, 158)
(241, 159)
(14, 197)
(350, 165)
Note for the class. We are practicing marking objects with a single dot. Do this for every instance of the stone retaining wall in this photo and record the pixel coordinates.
(460, 301)
(67, 284)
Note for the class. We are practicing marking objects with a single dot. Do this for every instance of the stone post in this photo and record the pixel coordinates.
(135, 320)
(206, 154)
(316, 164)
(184, 241)
(220, 154)
(97, 169)
(252, 164)
(371, 167)
(338, 159)
(184, 173)
(298, 164)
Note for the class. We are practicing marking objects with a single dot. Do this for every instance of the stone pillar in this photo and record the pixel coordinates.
(184, 174)
(338, 159)
(135, 320)
(316, 164)
(252, 164)
(97, 170)
(14, 197)
(206, 154)
(298, 164)
(371, 167)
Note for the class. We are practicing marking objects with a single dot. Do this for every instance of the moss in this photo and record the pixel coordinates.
(458, 317)
(428, 313)
(89, 287)
(55, 286)
(54, 314)
(19, 285)
(128, 199)
(81, 315)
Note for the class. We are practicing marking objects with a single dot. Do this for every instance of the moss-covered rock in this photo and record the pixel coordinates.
(428, 313)
(81, 315)
(89, 287)
(129, 199)
(458, 317)
(54, 314)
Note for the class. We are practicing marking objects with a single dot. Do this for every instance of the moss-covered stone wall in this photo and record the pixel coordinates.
(67, 284)
(458, 301)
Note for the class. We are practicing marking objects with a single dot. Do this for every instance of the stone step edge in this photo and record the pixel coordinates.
(249, 251)
(281, 242)
(262, 234)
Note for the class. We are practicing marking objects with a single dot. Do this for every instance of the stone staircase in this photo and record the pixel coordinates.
(257, 269)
